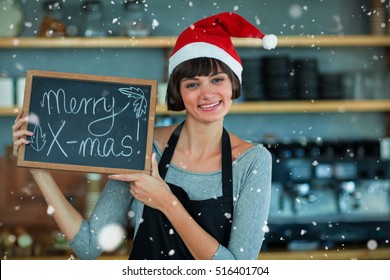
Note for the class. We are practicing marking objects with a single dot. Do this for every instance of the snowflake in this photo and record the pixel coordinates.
(110, 237)
(50, 210)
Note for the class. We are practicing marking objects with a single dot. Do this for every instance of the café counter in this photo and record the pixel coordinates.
(331, 254)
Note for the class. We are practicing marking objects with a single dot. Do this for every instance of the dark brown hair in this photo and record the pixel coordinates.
(202, 66)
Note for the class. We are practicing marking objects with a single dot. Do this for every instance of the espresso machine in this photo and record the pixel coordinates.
(329, 192)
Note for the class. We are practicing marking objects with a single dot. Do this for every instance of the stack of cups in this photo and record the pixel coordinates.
(278, 80)
(6, 92)
(306, 79)
(252, 79)
(20, 85)
(8, 88)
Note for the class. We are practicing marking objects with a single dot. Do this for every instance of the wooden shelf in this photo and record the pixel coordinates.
(169, 41)
(238, 108)
(280, 107)
(8, 111)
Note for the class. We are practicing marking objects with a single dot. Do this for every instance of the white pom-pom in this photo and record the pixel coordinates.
(269, 41)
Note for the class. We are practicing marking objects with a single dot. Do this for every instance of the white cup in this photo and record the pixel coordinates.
(161, 93)
(20, 86)
(6, 92)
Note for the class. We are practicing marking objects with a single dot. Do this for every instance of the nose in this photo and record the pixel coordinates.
(207, 89)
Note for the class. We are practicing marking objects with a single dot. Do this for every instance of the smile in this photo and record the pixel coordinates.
(210, 106)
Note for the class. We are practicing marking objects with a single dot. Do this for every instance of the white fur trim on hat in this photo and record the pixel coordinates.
(202, 49)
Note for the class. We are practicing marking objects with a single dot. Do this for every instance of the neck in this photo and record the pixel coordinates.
(200, 137)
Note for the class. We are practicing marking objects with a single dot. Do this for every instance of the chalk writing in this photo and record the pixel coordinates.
(55, 136)
(62, 105)
(58, 102)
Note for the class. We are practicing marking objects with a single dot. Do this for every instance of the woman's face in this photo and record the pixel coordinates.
(207, 98)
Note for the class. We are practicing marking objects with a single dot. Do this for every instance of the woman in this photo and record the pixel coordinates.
(208, 193)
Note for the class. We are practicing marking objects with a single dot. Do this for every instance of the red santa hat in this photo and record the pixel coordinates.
(211, 37)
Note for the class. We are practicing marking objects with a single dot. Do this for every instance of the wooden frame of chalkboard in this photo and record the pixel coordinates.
(88, 123)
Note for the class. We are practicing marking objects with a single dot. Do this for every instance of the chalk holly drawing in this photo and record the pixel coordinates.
(38, 140)
(140, 102)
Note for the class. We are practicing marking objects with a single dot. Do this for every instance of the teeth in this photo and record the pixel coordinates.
(210, 105)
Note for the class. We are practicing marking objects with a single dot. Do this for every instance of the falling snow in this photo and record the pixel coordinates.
(131, 214)
(50, 210)
(33, 118)
(295, 11)
(110, 237)
(155, 24)
(372, 244)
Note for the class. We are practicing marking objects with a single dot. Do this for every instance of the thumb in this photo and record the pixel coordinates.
(155, 172)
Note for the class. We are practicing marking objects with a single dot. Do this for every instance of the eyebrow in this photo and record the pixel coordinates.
(211, 75)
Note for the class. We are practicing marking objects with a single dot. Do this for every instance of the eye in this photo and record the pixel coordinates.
(218, 79)
(190, 85)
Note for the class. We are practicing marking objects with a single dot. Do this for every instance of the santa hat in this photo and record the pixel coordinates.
(210, 37)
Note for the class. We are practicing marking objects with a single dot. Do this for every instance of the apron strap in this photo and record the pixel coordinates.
(227, 176)
(168, 151)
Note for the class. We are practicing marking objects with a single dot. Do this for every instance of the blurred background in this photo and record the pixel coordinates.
(320, 102)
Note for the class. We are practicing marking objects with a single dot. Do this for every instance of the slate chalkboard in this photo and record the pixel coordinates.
(88, 123)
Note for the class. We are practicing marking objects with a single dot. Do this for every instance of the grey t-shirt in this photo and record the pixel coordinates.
(251, 200)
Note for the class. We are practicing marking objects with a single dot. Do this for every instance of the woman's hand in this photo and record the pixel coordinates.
(19, 135)
(149, 189)
(19, 138)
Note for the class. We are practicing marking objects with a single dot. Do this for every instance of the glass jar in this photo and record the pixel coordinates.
(52, 24)
(134, 23)
(378, 17)
(388, 18)
(93, 19)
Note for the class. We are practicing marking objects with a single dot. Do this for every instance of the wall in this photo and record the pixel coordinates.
(316, 18)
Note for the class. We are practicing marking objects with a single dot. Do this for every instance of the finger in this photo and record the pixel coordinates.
(17, 145)
(155, 172)
(133, 193)
(19, 115)
(21, 133)
(124, 177)
(19, 122)
(21, 141)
